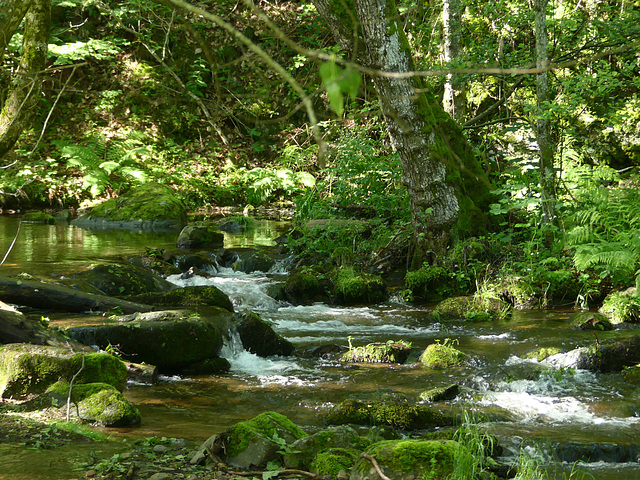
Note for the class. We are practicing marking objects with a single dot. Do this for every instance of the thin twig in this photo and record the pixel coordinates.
(71, 387)
(12, 243)
(376, 466)
(46, 121)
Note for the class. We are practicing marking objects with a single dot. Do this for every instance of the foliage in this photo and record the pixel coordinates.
(606, 235)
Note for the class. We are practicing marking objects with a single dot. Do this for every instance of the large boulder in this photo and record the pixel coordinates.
(121, 280)
(171, 340)
(258, 337)
(30, 369)
(151, 206)
(200, 236)
(253, 443)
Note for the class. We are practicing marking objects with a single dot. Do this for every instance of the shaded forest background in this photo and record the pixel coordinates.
(139, 91)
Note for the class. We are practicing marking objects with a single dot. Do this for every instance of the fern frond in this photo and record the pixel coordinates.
(611, 255)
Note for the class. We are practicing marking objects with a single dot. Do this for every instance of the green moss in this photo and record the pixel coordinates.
(151, 201)
(474, 308)
(331, 462)
(591, 321)
(632, 374)
(395, 414)
(441, 355)
(390, 352)
(32, 369)
(266, 425)
(622, 307)
(109, 408)
(542, 353)
(354, 288)
(38, 217)
(429, 283)
(427, 460)
(193, 296)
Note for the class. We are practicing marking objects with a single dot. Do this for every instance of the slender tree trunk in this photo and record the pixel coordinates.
(24, 91)
(439, 168)
(455, 98)
(543, 123)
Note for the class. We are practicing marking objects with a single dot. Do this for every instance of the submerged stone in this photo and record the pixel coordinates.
(590, 321)
(401, 415)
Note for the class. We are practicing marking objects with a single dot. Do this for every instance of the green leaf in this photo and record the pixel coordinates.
(335, 98)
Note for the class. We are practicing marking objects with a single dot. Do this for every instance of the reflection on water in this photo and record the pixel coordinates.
(557, 405)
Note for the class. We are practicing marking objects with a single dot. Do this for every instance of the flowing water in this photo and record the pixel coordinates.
(566, 418)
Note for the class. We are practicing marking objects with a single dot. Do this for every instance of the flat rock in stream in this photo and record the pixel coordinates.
(171, 339)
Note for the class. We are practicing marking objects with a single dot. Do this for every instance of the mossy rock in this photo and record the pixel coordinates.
(303, 451)
(209, 366)
(439, 355)
(353, 288)
(390, 352)
(117, 280)
(632, 374)
(612, 357)
(440, 394)
(303, 288)
(473, 308)
(30, 369)
(38, 217)
(199, 237)
(108, 408)
(622, 307)
(591, 321)
(430, 283)
(401, 415)
(258, 337)
(252, 443)
(541, 353)
(173, 339)
(410, 460)
(151, 206)
(334, 460)
(254, 262)
(193, 296)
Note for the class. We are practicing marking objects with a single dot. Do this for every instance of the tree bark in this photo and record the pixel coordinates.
(455, 98)
(445, 182)
(543, 123)
(24, 92)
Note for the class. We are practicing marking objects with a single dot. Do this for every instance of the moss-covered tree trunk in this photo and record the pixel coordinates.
(455, 98)
(22, 95)
(447, 187)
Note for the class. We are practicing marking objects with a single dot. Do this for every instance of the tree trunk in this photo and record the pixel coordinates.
(445, 182)
(543, 123)
(455, 98)
(24, 91)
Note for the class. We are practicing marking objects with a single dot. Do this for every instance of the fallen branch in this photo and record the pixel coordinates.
(285, 471)
(376, 466)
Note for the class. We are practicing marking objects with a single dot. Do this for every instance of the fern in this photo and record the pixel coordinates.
(105, 164)
(606, 234)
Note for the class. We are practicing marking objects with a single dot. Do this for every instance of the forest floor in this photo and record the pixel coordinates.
(153, 459)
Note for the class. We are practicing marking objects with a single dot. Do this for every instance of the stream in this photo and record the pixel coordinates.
(565, 418)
